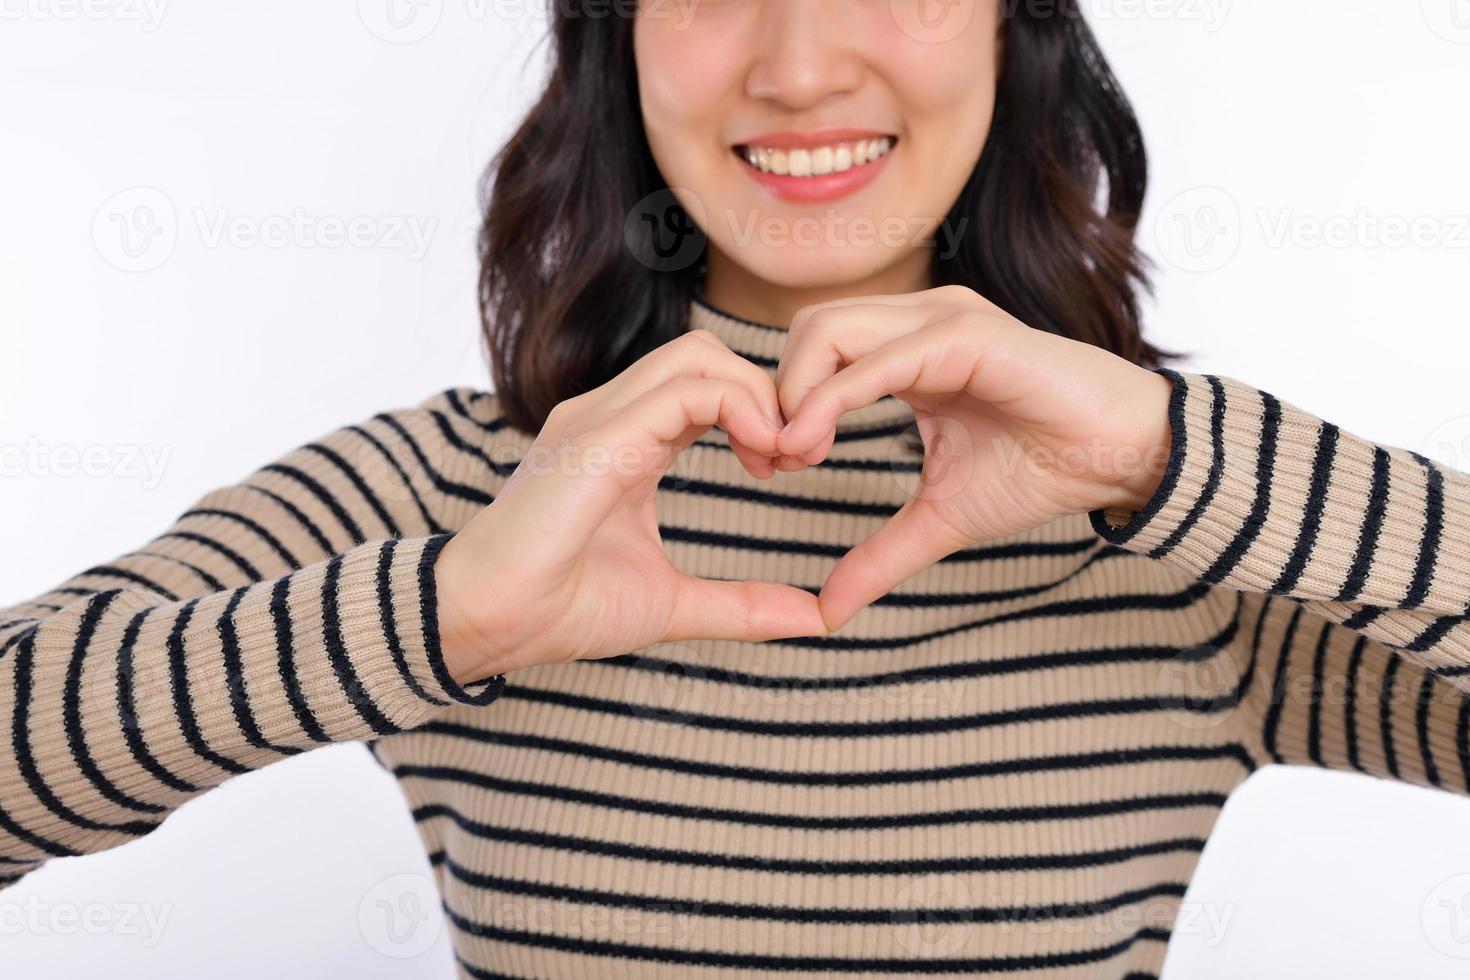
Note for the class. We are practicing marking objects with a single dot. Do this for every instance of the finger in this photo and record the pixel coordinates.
(564, 486)
(758, 465)
(672, 416)
(909, 542)
(847, 318)
(948, 295)
(747, 611)
(940, 359)
(696, 354)
(790, 464)
(827, 338)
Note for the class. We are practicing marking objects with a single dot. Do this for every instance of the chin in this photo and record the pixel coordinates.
(796, 267)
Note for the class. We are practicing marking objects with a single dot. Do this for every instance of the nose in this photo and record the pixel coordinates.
(806, 53)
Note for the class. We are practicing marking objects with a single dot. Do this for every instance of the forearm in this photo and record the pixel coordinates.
(124, 705)
(296, 608)
(1262, 496)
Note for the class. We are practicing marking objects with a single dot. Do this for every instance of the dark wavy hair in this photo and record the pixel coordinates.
(579, 276)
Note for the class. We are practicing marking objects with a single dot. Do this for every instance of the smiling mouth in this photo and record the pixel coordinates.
(815, 161)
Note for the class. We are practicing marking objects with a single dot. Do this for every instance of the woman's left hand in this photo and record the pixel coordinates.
(1020, 427)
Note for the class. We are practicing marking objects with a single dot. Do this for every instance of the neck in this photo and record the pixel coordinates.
(734, 289)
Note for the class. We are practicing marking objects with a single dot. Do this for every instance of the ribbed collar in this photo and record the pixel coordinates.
(759, 342)
(762, 344)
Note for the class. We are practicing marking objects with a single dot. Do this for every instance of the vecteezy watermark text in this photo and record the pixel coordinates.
(136, 230)
(115, 461)
(147, 14)
(34, 917)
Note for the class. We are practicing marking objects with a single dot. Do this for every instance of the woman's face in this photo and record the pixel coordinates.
(863, 119)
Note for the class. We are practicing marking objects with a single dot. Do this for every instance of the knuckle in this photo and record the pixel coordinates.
(701, 342)
(954, 291)
(822, 322)
(561, 413)
(801, 322)
(669, 349)
(705, 334)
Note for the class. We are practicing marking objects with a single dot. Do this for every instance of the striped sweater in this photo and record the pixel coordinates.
(1009, 765)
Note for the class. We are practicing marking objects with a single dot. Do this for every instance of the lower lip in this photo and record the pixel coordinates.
(828, 187)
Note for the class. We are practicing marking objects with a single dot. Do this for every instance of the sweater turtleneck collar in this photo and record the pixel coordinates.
(762, 343)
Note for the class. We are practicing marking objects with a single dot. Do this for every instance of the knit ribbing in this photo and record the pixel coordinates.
(1009, 765)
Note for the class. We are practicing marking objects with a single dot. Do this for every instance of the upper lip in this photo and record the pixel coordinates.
(788, 139)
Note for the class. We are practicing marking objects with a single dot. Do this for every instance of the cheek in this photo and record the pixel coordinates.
(955, 83)
(949, 100)
(685, 77)
(946, 89)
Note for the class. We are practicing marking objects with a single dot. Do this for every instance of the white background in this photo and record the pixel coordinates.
(1270, 118)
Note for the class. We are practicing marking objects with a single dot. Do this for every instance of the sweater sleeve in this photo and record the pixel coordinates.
(294, 609)
(1353, 564)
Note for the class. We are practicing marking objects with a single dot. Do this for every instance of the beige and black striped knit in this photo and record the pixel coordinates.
(1008, 766)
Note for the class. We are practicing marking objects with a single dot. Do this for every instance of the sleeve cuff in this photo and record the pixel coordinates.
(1263, 496)
(389, 661)
(475, 693)
(1191, 433)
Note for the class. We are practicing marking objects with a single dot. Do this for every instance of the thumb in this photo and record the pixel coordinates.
(705, 609)
(914, 538)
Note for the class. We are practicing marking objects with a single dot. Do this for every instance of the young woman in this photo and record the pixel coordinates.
(689, 660)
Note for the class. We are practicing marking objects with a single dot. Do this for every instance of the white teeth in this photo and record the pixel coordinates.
(820, 160)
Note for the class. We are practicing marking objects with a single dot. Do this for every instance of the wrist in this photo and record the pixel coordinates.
(1139, 481)
(461, 643)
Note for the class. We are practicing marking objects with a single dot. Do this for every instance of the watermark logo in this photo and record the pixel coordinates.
(1198, 230)
(947, 464)
(1196, 688)
(1449, 19)
(932, 21)
(664, 685)
(401, 21)
(665, 234)
(136, 230)
(1445, 917)
(933, 915)
(400, 916)
(1449, 443)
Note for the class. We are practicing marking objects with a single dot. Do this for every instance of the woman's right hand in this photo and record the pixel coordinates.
(567, 563)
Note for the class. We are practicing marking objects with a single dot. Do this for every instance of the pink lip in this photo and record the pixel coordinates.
(828, 187)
